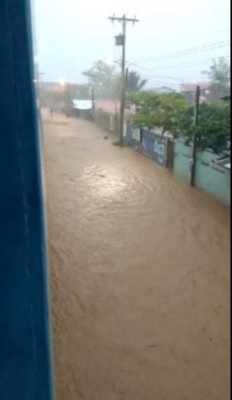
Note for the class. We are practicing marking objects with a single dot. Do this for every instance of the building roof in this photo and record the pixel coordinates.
(82, 104)
(109, 106)
(112, 107)
(164, 90)
(191, 87)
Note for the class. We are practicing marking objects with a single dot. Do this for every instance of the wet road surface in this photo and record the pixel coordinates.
(139, 274)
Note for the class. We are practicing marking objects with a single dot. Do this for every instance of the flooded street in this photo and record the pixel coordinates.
(139, 274)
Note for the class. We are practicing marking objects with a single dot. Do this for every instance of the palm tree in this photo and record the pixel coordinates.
(134, 82)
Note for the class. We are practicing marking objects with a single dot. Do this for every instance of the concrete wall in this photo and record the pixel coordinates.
(133, 136)
(182, 155)
(108, 122)
(211, 178)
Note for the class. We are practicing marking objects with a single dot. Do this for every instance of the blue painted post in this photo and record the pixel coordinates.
(25, 348)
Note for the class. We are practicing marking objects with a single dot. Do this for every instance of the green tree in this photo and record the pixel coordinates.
(106, 79)
(103, 77)
(81, 92)
(161, 111)
(219, 76)
(213, 129)
(174, 114)
(134, 82)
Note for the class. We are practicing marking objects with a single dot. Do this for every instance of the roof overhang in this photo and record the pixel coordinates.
(225, 97)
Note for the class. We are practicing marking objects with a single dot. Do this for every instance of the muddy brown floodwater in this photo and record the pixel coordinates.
(139, 274)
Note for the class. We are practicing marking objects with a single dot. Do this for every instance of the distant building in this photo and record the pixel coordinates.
(189, 90)
(51, 86)
(108, 106)
(82, 109)
(163, 90)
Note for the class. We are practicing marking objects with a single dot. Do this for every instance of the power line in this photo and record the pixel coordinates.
(154, 79)
(185, 63)
(196, 62)
(203, 48)
(178, 65)
(152, 70)
(220, 31)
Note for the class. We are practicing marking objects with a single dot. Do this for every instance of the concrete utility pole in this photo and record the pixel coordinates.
(196, 121)
(124, 21)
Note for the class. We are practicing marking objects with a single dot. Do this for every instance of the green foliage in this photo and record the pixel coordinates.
(174, 114)
(81, 92)
(134, 82)
(106, 80)
(103, 77)
(163, 111)
(219, 75)
(214, 125)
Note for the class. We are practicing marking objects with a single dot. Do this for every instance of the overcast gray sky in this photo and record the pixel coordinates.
(72, 34)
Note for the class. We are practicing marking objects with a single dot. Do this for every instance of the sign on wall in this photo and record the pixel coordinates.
(155, 146)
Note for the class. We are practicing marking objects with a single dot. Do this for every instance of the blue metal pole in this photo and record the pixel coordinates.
(25, 346)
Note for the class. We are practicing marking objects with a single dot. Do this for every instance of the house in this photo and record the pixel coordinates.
(189, 90)
(108, 106)
(163, 90)
(113, 107)
(82, 109)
